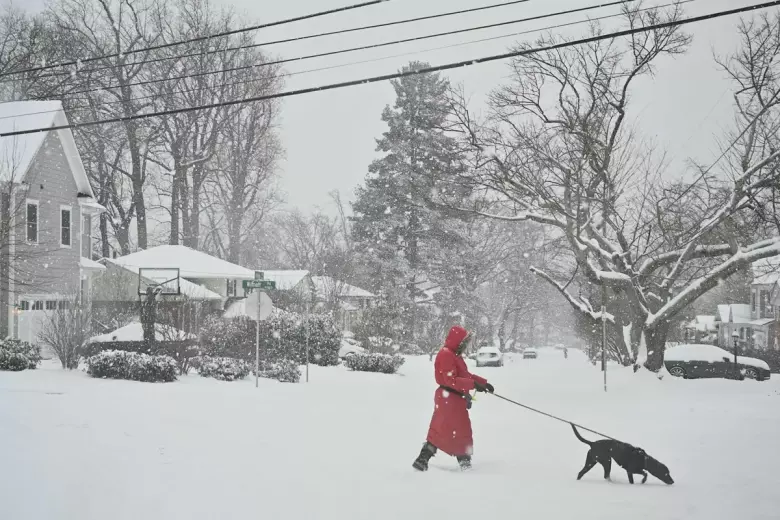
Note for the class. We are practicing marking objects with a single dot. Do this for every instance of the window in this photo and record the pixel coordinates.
(86, 236)
(37, 305)
(51, 305)
(32, 221)
(231, 288)
(24, 305)
(753, 301)
(762, 298)
(65, 235)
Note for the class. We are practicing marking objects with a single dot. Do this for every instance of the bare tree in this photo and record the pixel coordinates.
(106, 28)
(66, 330)
(559, 152)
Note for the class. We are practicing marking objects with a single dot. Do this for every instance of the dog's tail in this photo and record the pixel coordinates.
(580, 437)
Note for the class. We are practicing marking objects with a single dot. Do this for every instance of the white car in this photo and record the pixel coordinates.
(489, 356)
(530, 353)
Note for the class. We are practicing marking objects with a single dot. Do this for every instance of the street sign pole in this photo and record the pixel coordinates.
(257, 347)
(307, 342)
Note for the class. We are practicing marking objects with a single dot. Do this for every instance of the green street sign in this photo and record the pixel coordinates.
(265, 285)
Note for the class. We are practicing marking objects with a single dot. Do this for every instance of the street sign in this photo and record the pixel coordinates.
(263, 285)
(259, 306)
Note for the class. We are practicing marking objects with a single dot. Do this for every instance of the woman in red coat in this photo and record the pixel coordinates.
(450, 429)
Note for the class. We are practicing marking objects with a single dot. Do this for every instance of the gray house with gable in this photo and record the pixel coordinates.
(47, 214)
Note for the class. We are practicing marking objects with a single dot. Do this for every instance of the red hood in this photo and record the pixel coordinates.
(455, 337)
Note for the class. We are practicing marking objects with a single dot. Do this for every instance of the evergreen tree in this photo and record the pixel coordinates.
(392, 228)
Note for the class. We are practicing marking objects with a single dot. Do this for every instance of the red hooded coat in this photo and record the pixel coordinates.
(450, 429)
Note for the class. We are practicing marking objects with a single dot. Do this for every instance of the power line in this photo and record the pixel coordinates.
(200, 38)
(382, 58)
(373, 60)
(426, 70)
(276, 42)
(355, 49)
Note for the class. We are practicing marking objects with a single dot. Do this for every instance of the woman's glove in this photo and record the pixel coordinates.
(487, 387)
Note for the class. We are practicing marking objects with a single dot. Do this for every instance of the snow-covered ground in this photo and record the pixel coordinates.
(341, 447)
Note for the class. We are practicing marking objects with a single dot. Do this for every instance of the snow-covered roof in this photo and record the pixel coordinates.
(762, 322)
(18, 151)
(734, 312)
(135, 332)
(90, 265)
(190, 262)
(325, 285)
(285, 279)
(190, 290)
(704, 323)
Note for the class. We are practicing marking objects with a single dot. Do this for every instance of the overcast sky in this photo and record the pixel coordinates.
(329, 136)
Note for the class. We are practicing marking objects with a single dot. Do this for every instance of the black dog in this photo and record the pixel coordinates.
(634, 460)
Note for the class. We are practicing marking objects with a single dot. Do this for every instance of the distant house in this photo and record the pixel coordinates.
(765, 304)
(702, 329)
(731, 318)
(203, 278)
(48, 209)
(347, 301)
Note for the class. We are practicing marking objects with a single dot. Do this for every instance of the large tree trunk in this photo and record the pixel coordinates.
(655, 342)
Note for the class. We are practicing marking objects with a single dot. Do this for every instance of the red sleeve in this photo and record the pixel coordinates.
(445, 373)
(478, 379)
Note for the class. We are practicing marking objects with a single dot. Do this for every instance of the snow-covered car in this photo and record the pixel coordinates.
(530, 353)
(489, 356)
(700, 361)
(349, 347)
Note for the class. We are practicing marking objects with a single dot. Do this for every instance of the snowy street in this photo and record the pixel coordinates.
(341, 447)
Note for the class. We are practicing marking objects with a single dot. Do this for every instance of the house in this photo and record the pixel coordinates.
(765, 303)
(734, 317)
(48, 210)
(702, 329)
(346, 301)
(207, 284)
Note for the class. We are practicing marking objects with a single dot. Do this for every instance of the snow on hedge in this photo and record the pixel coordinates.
(18, 355)
(222, 368)
(118, 364)
(384, 363)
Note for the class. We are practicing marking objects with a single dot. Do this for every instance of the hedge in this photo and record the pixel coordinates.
(384, 363)
(18, 355)
(117, 364)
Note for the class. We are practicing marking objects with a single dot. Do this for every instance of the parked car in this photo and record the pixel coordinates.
(489, 356)
(530, 353)
(349, 347)
(700, 361)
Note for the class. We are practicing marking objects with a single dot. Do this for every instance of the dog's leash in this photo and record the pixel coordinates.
(551, 416)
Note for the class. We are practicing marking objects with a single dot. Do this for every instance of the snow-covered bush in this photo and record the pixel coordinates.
(118, 364)
(18, 355)
(222, 368)
(181, 351)
(284, 371)
(282, 337)
(384, 363)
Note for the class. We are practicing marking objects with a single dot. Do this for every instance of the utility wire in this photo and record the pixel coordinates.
(361, 48)
(200, 38)
(425, 70)
(373, 60)
(333, 53)
(272, 42)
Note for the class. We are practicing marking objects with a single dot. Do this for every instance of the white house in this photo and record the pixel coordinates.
(349, 301)
(202, 277)
(48, 209)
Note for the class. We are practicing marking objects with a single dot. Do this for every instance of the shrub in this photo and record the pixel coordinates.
(282, 337)
(383, 363)
(118, 364)
(18, 355)
(181, 351)
(284, 371)
(222, 368)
